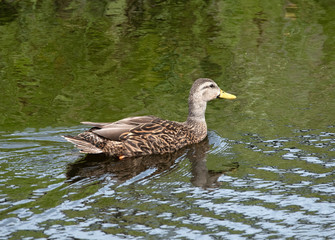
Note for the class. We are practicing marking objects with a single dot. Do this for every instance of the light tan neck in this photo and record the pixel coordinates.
(196, 111)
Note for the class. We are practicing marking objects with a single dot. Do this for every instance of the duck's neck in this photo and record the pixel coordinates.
(196, 112)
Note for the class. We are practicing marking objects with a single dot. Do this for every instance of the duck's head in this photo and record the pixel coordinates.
(205, 89)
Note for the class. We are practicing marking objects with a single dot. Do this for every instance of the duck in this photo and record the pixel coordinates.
(149, 135)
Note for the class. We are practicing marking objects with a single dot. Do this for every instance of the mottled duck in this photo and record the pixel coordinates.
(146, 135)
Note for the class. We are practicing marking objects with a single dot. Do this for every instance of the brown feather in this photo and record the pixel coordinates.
(84, 146)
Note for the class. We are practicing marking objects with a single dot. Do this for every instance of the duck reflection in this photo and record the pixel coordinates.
(201, 175)
(99, 165)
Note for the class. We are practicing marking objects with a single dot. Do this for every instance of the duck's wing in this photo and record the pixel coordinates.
(156, 129)
(134, 121)
(158, 137)
(95, 124)
(113, 130)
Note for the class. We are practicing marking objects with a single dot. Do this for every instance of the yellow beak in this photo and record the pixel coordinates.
(226, 95)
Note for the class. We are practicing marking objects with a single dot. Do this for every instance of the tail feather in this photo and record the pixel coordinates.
(84, 146)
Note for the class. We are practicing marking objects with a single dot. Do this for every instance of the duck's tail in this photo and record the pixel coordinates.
(83, 145)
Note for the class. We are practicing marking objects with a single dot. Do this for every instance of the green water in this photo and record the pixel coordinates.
(267, 167)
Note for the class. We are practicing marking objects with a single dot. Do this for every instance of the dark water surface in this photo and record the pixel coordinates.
(267, 168)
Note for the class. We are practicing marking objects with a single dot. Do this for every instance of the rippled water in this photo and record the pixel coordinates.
(56, 193)
(267, 168)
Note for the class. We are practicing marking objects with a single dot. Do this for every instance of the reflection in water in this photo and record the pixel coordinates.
(259, 20)
(290, 11)
(96, 166)
(8, 13)
(201, 176)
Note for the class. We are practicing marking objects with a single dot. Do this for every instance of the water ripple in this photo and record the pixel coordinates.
(219, 189)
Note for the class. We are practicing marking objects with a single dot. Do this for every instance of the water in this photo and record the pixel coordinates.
(266, 170)
(207, 190)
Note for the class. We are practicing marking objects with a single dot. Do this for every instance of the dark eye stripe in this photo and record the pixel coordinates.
(209, 86)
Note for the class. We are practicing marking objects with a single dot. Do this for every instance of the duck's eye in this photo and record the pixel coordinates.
(212, 86)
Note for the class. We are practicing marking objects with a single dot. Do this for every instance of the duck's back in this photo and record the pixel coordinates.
(157, 137)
